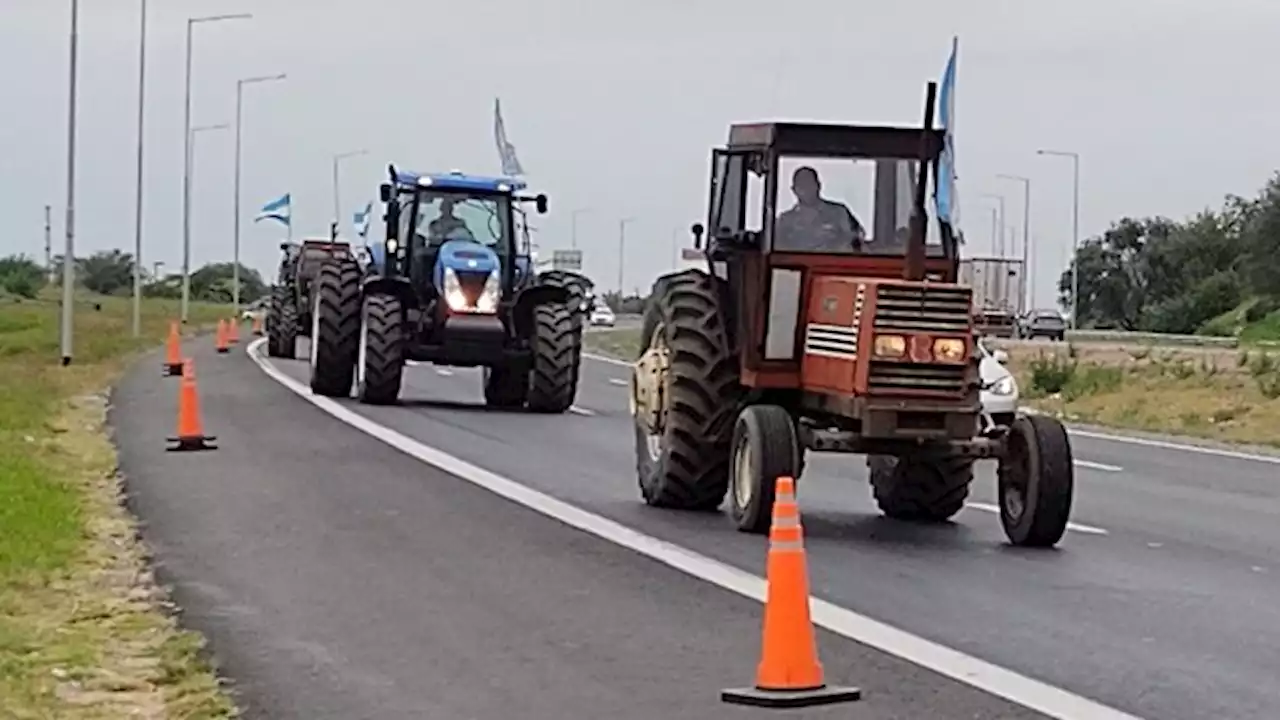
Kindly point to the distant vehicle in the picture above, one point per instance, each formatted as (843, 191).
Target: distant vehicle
(997, 285)
(601, 315)
(1043, 323)
(255, 309)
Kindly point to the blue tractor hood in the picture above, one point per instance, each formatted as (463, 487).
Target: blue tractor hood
(464, 257)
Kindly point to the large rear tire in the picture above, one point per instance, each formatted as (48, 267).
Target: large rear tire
(920, 489)
(335, 328)
(557, 343)
(685, 464)
(380, 358)
(282, 324)
(1036, 482)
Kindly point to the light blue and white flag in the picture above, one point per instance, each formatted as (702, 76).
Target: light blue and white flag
(280, 210)
(361, 220)
(506, 151)
(944, 195)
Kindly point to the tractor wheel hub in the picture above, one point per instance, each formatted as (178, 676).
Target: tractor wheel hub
(648, 388)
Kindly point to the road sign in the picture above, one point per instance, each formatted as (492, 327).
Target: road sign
(566, 259)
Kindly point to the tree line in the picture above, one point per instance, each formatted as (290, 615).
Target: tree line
(110, 272)
(1212, 273)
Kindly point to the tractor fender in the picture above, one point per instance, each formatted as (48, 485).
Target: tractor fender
(530, 298)
(397, 286)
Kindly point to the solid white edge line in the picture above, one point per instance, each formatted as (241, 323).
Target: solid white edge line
(1076, 527)
(1097, 466)
(1163, 444)
(1019, 689)
(581, 411)
(618, 382)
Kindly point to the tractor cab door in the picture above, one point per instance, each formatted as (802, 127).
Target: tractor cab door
(736, 219)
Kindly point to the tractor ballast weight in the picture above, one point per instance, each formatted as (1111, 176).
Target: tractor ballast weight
(289, 311)
(809, 331)
(447, 287)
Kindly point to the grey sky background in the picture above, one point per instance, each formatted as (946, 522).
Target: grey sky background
(615, 105)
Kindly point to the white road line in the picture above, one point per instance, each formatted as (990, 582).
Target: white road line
(1146, 442)
(580, 411)
(444, 372)
(616, 381)
(1077, 527)
(1001, 682)
(1098, 466)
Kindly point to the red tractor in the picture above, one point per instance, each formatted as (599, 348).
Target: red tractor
(820, 326)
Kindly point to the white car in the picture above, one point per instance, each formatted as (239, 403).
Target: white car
(601, 315)
(999, 388)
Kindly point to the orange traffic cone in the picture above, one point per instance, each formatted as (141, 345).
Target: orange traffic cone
(257, 324)
(190, 435)
(233, 331)
(173, 351)
(221, 337)
(789, 674)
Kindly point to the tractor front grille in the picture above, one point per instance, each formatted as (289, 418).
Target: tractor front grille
(895, 378)
(472, 284)
(940, 309)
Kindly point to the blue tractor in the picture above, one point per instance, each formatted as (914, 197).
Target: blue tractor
(450, 284)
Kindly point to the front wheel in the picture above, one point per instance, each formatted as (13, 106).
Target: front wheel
(765, 447)
(557, 340)
(1036, 482)
(380, 360)
(282, 324)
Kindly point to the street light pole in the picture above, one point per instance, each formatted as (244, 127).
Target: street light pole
(337, 205)
(195, 131)
(1027, 271)
(1075, 228)
(235, 252)
(137, 191)
(69, 252)
(622, 252)
(186, 158)
(998, 245)
(573, 226)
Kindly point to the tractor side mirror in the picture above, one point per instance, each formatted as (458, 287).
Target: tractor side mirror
(384, 192)
(540, 202)
(697, 231)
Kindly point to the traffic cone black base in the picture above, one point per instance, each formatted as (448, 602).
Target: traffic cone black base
(759, 697)
(223, 350)
(173, 370)
(192, 444)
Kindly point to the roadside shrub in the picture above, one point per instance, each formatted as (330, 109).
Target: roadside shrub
(1092, 380)
(1050, 375)
(21, 276)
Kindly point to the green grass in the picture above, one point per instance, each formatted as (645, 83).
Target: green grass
(81, 636)
(621, 344)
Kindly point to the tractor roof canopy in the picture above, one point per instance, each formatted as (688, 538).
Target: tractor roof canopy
(834, 141)
(457, 180)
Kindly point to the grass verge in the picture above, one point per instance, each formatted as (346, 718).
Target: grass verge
(84, 632)
(1222, 394)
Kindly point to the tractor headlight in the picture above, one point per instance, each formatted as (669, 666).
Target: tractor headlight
(453, 295)
(948, 349)
(392, 245)
(488, 300)
(1005, 386)
(892, 346)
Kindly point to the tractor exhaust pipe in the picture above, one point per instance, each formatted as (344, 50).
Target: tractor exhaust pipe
(914, 269)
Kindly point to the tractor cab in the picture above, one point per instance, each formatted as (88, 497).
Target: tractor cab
(453, 237)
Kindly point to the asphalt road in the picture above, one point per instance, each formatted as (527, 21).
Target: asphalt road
(339, 578)
(1160, 602)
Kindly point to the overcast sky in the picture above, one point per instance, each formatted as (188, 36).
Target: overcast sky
(614, 105)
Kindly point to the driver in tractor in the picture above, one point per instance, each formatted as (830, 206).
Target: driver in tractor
(448, 226)
(814, 223)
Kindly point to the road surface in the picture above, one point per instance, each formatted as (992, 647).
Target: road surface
(305, 542)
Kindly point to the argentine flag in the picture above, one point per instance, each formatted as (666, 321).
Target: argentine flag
(506, 151)
(280, 210)
(361, 220)
(944, 195)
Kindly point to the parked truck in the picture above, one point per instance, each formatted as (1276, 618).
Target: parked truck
(999, 291)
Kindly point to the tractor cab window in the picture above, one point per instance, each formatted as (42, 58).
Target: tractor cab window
(480, 218)
(847, 206)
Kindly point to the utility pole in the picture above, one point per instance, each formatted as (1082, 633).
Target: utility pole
(48, 243)
(337, 200)
(573, 226)
(137, 191)
(1027, 273)
(186, 158)
(622, 252)
(998, 235)
(235, 251)
(69, 252)
(1075, 228)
